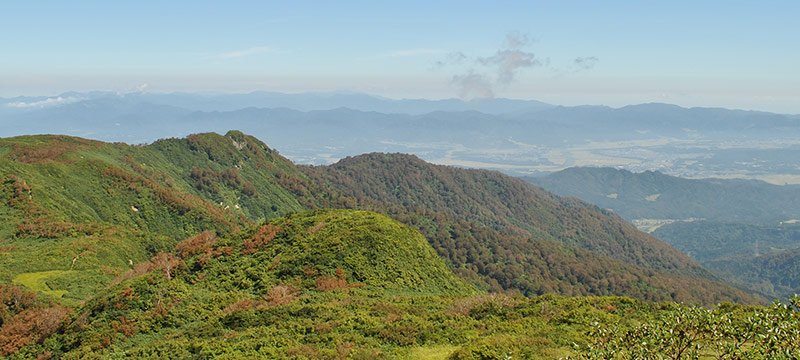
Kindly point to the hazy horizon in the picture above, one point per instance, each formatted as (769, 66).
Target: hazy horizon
(54, 99)
(732, 55)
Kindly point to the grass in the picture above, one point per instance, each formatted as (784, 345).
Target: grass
(37, 281)
(435, 352)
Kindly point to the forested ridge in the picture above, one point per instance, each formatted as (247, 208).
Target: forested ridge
(503, 203)
(743, 231)
(762, 258)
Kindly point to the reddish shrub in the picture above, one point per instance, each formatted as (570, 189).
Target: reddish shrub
(169, 263)
(281, 295)
(124, 326)
(31, 325)
(264, 235)
(14, 299)
(201, 243)
(328, 283)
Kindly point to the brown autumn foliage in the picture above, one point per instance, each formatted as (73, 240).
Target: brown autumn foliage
(264, 235)
(31, 325)
(167, 262)
(309, 271)
(329, 283)
(202, 244)
(51, 150)
(280, 294)
(46, 227)
(124, 326)
(13, 300)
(19, 187)
(180, 201)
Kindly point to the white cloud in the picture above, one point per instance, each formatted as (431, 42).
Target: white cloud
(247, 52)
(473, 86)
(44, 103)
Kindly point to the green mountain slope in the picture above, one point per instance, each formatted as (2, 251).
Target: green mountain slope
(749, 223)
(762, 258)
(78, 207)
(294, 266)
(202, 247)
(115, 206)
(503, 203)
(297, 287)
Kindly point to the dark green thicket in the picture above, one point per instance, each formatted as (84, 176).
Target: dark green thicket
(366, 248)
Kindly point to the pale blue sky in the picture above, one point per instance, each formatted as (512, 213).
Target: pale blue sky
(736, 54)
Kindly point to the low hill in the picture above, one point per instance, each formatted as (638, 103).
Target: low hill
(653, 195)
(308, 264)
(762, 258)
(364, 247)
(332, 284)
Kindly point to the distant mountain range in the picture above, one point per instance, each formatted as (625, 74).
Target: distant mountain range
(300, 102)
(514, 136)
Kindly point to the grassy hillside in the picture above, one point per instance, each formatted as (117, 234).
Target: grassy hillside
(76, 212)
(297, 287)
(210, 285)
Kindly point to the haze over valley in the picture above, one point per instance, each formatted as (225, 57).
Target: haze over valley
(514, 136)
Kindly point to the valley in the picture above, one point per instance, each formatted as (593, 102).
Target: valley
(741, 230)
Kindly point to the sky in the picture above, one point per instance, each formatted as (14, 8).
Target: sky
(733, 54)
